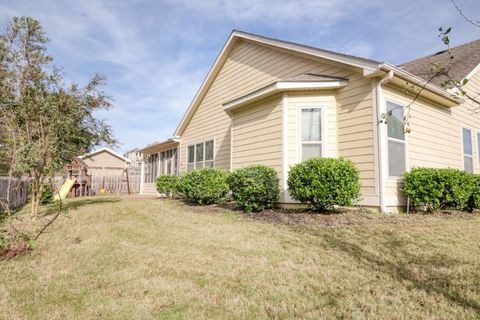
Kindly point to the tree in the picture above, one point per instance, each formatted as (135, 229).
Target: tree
(46, 121)
(4, 163)
(442, 72)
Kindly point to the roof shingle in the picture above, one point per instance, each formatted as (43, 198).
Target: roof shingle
(465, 58)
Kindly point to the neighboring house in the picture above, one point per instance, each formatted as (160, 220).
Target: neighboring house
(278, 103)
(135, 157)
(105, 162)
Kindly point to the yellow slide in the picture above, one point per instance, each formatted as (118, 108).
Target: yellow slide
(65, 189)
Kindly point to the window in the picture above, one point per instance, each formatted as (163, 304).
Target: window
(200, 155)
(467, 150)
(396, 139)
(311, 124)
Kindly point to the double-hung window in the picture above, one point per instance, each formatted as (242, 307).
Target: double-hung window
(200, 155)
(311, 124)
(396, 139)
(467, 150)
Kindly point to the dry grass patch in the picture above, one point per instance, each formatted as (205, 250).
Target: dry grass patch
(142, 259)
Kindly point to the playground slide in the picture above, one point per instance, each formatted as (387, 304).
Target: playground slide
(65, 189)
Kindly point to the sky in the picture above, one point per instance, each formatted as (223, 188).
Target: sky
(156, 54)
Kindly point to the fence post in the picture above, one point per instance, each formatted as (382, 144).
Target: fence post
(142, 177)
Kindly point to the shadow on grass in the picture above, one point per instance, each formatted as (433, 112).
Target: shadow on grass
(76, 203)
(422, 271)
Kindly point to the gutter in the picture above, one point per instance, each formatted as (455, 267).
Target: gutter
(403, 74)
(381, 138)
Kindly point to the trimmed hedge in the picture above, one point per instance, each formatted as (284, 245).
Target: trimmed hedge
(204, 186)
(442, 188)
(167, 184)
(254, 188)
(324, 182)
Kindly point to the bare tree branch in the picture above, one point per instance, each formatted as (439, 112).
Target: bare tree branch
(475, 23)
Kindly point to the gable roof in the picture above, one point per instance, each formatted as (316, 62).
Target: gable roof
(367, 65)
(370, 68)
(113, 153)
(466, 58)
(80, 161)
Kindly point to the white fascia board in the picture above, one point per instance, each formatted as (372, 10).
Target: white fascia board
(279, 87)
(400, 73)
(455, 90)
(159, 144)
(320, 53)
(475, 70)
(195, 101)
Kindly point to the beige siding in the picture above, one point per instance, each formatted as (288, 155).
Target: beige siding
(296, 101)
(104, 164)
(435, 139)
(356, 132)
(257, 135)
(249, 67)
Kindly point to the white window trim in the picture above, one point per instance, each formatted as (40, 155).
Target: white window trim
(404, 141)
(478, 147)
(299, 130)
(463, 150)
(204, 150)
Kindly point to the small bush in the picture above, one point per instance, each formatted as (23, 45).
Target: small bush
(47, 194)
(254, 187)
(440, 188)
(474, 202)
(324, 182)
(167, 185)
(204, 186)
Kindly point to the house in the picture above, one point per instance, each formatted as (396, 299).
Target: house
(105, 162)
(277, 103)
(135, 157)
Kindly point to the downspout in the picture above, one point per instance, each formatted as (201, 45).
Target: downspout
(381, 138)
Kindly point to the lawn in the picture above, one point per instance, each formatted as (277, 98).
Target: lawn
(113, 258)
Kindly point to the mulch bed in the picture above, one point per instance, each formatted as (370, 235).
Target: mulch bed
(343, 216)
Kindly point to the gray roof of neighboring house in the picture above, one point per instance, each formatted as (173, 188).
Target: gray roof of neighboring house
(465, 58)
(314, 77)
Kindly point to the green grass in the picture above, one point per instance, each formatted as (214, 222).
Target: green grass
(111, 258)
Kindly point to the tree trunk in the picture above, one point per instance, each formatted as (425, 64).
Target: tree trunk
(34, 202)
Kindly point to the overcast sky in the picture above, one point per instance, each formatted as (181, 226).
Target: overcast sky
(155, 54)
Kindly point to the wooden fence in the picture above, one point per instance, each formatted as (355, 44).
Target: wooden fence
(18, 192)
(117, 184)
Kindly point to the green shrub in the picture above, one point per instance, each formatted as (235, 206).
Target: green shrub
(167, 184)
(254, 187)
(324, 182)
(204, 186)
(47, 194)
(474, 202)
(440, 188)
